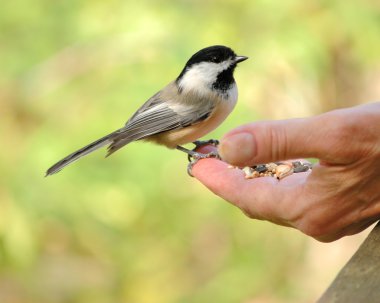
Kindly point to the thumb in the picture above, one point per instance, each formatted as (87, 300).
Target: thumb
(269, 141)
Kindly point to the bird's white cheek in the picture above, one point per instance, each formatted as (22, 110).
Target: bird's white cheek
(200, 77)
(233, 93)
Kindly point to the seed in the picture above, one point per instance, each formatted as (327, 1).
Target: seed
(300, 168)
(248, 172)
(308, 164)
(283, 170)
(254, 174)
(287, 163)
(261, 168)
(271, 166)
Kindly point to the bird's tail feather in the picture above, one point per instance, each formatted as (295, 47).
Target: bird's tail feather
(80, 153)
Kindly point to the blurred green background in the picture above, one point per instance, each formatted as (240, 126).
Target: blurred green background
(135, 227)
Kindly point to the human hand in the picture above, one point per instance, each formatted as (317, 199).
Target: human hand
(339, 197)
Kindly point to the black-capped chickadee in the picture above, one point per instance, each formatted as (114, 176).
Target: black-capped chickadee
(188, 108)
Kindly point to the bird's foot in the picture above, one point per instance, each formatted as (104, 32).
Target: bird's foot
(195, 157)
(200, 143)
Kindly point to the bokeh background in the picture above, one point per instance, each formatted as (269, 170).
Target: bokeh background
(134, 227)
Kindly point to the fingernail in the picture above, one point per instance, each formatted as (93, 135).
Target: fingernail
(237, 148)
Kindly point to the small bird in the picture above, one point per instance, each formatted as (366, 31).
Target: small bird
(188, 108)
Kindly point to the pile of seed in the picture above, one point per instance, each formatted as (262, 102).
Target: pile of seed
(279, 170)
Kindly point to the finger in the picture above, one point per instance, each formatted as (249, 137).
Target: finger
(260, 198)
(270, 141)
(347, 230)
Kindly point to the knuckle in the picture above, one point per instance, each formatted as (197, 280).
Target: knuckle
(247, 210)
(342, 130)
(340, 135)
(278, 142)
(350, 133)
(327, 238)
(314, 227)
(248, 213)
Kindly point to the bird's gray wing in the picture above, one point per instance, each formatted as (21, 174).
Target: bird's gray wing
(158, 115)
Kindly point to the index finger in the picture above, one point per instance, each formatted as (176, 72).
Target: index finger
(260, 198)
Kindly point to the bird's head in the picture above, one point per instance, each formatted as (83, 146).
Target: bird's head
(210, 68)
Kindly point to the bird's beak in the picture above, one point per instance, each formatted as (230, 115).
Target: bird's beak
(240, 59)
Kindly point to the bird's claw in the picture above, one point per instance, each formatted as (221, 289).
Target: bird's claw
(200, 143)
(193, 159)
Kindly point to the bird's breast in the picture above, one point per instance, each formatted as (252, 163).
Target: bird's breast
(193, 132)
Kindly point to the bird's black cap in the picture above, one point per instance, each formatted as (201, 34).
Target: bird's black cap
(215, 53)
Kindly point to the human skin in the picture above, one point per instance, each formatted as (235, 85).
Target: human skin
(339, 197)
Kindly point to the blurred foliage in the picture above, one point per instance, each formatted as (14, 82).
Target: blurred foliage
(135, 227)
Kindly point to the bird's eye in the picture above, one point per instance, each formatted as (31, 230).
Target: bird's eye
(214, 59)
